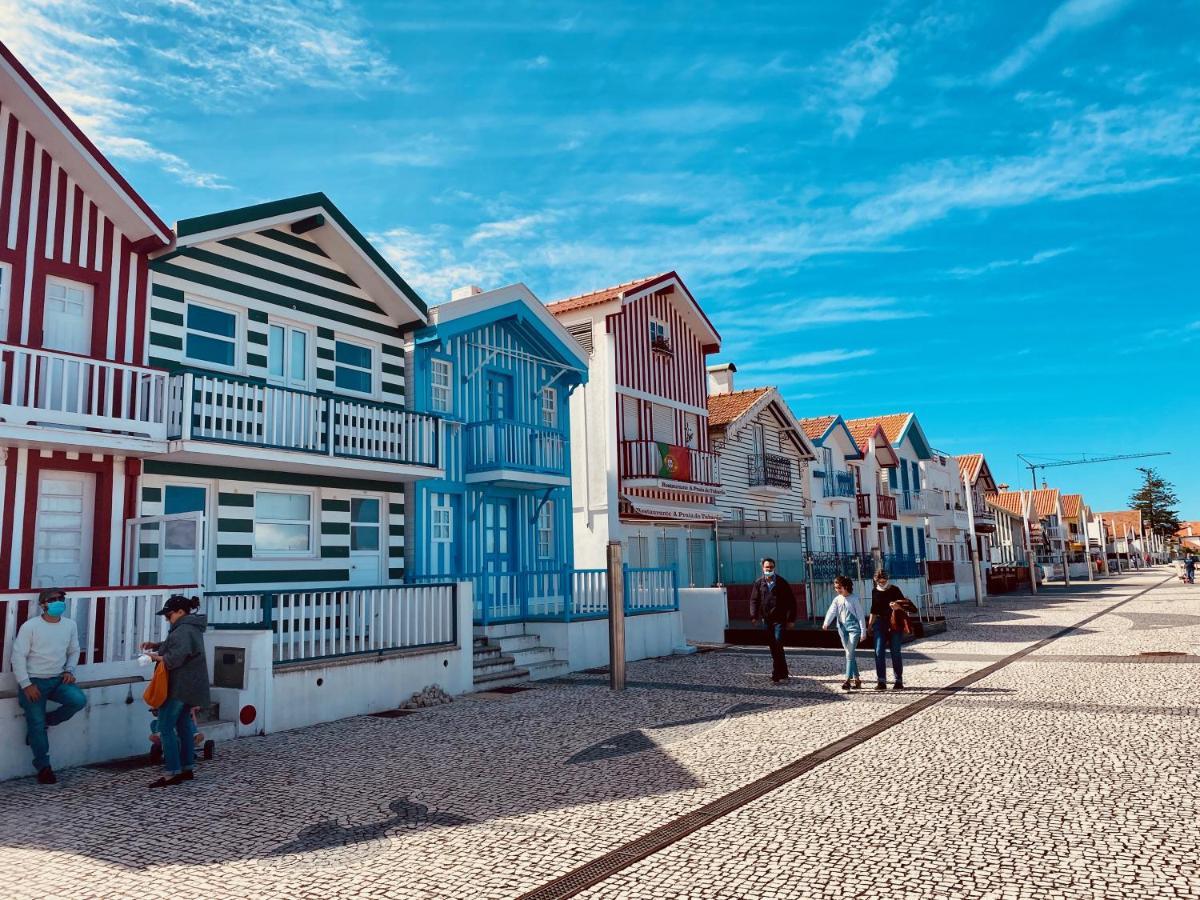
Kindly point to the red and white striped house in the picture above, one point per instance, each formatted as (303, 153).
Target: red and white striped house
(78, 410)
(642, 470)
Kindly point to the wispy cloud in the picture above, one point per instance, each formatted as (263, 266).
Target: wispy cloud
(1034, 260)
(109, 67)
(431, 263)
(1072, 16)
(856, 74)
(838, 310)
(518, 227)
(811, 359)
(537, 64)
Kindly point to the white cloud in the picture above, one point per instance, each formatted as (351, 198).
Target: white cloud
(1071, 16)
(518, 227)
(811, 359)
(430, 264)
(108, 67)
(856, 74)
(1036, 259)
(539, 62)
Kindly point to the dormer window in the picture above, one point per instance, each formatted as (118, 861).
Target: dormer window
(660, 336)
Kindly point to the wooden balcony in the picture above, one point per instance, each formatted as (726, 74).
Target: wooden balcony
(215, 418)
(52, 399)
(518, 454)
(653, 462)
(887, 507)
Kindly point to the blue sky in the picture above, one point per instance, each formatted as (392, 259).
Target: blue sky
(981, 211)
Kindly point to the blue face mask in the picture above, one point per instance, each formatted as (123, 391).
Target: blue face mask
(56, 607)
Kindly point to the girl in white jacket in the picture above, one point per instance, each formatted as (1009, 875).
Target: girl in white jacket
(847, 612)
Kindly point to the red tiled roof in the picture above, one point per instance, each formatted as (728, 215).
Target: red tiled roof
(1131, 518)
(1188, 529)
(817, 426)
(1045, 502)
(602, 296)
(726, 408)
(861, 430)
(1008, 500)
(893, 424)
(1072, 505)
(969, 465)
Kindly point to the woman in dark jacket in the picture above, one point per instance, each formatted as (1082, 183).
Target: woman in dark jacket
(187, 679)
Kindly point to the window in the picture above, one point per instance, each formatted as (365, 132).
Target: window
(698, 575)
(549, 407)
(354, 367)
(545, 531)
(639, 551)
(826, 542)
(441, 522)
(282, 523)
(738, 514)
(660, 338)
(181, 534)
(441, 372)
(663, 422)
(287, 354)
(668, 554)
(210, 335)
(364, 523)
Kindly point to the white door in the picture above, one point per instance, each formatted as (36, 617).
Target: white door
(183, 539)
(366, 544)
(62, 543)
(67, 325)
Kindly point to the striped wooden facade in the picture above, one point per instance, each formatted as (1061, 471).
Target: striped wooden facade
(270, 277)
(679, 376)
(742, 500)
(502, 344)
(52, 227)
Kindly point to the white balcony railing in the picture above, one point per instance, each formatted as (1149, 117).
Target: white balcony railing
(48, 387)
(113, 623)
(231, 410)
(1053, 532)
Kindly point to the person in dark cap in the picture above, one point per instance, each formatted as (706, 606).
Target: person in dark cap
(187, 686)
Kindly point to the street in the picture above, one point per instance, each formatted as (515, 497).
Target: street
(1072, 770)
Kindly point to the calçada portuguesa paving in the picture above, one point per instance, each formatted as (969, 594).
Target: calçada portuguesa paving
(1073, 771)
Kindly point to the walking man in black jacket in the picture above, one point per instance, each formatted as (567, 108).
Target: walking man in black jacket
(773, 603)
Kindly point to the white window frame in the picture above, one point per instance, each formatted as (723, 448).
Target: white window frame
(441, 396)
(239, 332)
(549, 407)
(377, 523)
(289, 554)
(659, 329)
(309, 353)
(545, 531)
(375, 351)
(5, 293)
(826, 540)
(436, 536)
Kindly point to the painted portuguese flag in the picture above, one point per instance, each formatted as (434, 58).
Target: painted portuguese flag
(675, 462)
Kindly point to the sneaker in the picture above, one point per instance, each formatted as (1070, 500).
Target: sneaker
(881, 686)
(46, 776)
(898, 686)
(846, 685)
(166, 781)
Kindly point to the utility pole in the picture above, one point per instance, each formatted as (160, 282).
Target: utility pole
(616, 618)
(971, 540)
(1029, 543)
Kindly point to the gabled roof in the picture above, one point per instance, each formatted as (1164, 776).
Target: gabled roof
(1130, 519)
(726, 411)
(69, 146)
(1045, 502)
(975, 468)
(1009, 501)
(819, 430)
(1072, 505)
(897, 427)
(315, 216)
(632, 290)
(861, 432)
(515, 303)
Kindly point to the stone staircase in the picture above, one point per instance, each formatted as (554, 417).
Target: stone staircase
(505, 655)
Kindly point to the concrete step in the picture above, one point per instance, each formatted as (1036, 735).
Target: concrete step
(219, 730)
(487, 651)
(501, 679)
(494, 632)
(531, 656)
(518, 642)
(551, 668)
(499, 664)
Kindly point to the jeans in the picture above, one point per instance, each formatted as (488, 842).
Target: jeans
(177, 732)
(774, 631)
(850, 636)
(70, 699)
(885, 637)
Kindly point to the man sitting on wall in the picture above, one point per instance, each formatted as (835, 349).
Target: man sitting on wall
(44, 656)
(772, 602)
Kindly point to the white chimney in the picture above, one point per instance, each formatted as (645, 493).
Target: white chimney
(720, 378)
(462, 293)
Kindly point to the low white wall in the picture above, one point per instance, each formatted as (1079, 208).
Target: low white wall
(115, 723)
(255, 695)
(583, 645)
(705, 613)
(355, 686)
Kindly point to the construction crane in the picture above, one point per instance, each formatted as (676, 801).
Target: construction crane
(1033, 467)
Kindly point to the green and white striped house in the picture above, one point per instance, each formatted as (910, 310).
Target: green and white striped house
(289, 434)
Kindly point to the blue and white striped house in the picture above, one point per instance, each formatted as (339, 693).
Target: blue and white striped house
(499, 370)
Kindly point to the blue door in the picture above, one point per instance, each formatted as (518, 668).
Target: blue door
(499, 590)
(921, 543)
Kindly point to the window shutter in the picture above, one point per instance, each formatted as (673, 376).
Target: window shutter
(664, 424)
(629, 419)
(583, 334)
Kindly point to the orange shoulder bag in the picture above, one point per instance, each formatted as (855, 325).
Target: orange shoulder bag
(155, 694)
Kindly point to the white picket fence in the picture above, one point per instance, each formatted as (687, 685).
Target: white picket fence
(113, 623)
(54, 388)
(342, 622)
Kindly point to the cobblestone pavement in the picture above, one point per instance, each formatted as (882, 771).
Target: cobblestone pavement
(1073, 772)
